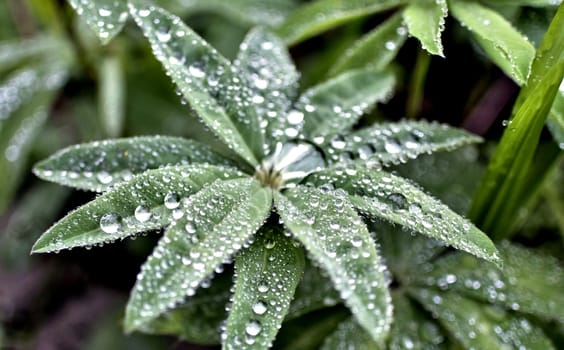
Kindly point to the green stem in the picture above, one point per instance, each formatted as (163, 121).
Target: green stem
(417, 84)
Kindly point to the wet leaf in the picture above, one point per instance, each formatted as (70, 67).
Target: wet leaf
(555, 122)
(338, 240)
(529, 282)
(510, 50)
(199, 318)
(267, 275)
(425, 20)
(385, 196)
(393, 143)
(272, 77)
(336, 104)
(539, 3)
(206, 79)
(105, 17)
(480, 326)
(14, 53)
(214, 225)
(144, 203)
(375, 49)
(99, 165)
(349, 335)
(321, 15)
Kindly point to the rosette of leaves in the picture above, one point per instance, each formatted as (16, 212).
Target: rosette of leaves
(298, 179)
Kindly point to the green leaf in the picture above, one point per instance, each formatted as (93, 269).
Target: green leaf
(378, 194)
(267, 275)
(529, 282)
(148, 201)
(272, 77)
(375, 49)
(314, 292)
(99, 165)
(27, 95)
(199, 318)
(411, 329)
(425, 20)
(480, 326)
(510, 50)
(555, 122)
(383, 144)
(111, 94)
(505, 181)
(214, 225)
(349, 335)
(105, 17)
(337, 104)
(15, 52)
(321, 15)
(207, 80)
(338, 240)
(538, 3)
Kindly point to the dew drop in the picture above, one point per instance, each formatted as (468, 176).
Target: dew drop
(295, 117)
(259, 308)
(103, 12)
(397, 200)
(196, 71)
(171, 200)
(110, 223)
(253, 328)
(142, 213)
(190, 228)
(104, 177)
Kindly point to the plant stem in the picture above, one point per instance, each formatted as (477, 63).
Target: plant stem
(417, 84)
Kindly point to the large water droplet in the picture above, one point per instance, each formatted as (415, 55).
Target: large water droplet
(171, 200)
(196, 70)
(142, 213)
(259, 308)
(253, 328)
(110, 223)
(397, 200)
(104, 177)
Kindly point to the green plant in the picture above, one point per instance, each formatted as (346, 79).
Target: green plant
(292, 156)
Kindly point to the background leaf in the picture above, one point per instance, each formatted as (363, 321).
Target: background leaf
(425, 20)
(349, 335)
(111, 94)
(105, 17)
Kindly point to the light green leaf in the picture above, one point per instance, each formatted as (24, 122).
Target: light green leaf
(337, 104)
(265, 62)
(214, 225)
(27, 95)
(510, 50)
(375, 49)
(105, 17)
(411, 329)
(555, 122)
(14, 53)
(99, 165)
(199, 318)
(321, 15)
(480, 326)
(148, 201)
(382, 195)
(538, 3)
(111, 94)
(207, 80)
(338, 240)
(383, 144)
(425, 20)
(315, 291)
(529, 282)
(267, 275)
(349, 335)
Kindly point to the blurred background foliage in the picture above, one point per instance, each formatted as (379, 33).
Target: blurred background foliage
(60, 86)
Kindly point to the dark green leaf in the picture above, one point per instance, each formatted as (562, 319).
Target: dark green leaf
(105, 17)
(148, 201)
(375, 49)
(349, 335)
(425, 20)
(338, 240)
(214, 225)
(385, 196)
(99, 165)
(267, 275)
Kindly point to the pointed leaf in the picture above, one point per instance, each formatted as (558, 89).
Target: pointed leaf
(349, 335)
(338, 240)
(214, 225)
(479, 326)
(99, 165)
(425, 20)
(27, 95)
(375, 49)
(555, 122)
(105, 17)
(318, 16)
(510, 50)
(337, 104)
(199, 318)
(267, 275)
(272, 77)
(146, 202)
(207, 80)
(529, 282)
(393, 143)
(382, 195)
(539, 3)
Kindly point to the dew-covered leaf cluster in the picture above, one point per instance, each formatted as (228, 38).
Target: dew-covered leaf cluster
(288, 220)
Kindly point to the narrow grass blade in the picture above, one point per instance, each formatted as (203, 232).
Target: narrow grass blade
(99, 165)
(267, 275)
(214, 225)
